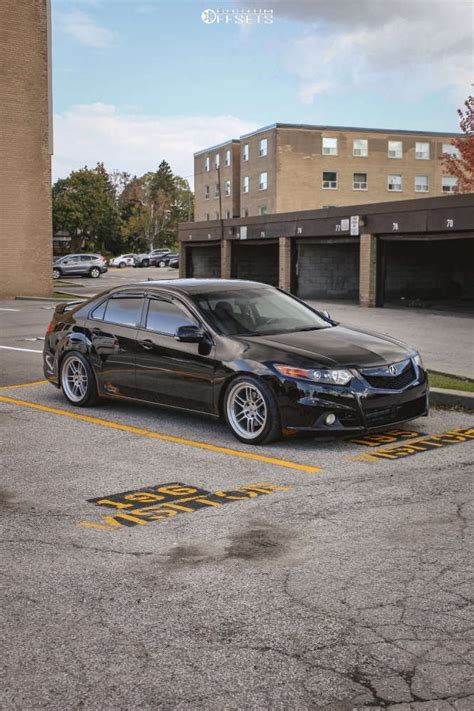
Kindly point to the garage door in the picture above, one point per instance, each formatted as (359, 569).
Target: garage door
(328, 269)
(204, 262)
(256, 261)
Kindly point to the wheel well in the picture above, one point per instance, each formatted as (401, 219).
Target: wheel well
(227, 385)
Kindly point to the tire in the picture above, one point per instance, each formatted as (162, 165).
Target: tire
(162, 263)
(122, 265)
(146, 263)
(251, 411)
(94, 272)
(56, 273)
(77, 380)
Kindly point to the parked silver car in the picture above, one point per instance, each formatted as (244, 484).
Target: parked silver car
(92, 265)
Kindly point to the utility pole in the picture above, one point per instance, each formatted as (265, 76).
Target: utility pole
(220, 200)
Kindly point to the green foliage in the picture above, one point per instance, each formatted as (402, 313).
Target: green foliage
(116, 212)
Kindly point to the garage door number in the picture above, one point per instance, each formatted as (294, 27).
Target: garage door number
(449, 222)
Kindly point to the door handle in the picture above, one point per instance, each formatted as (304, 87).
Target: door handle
(147, 344)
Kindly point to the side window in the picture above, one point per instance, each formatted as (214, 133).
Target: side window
(99, 311)
(85, 258)
(124, 311)
(166, 317)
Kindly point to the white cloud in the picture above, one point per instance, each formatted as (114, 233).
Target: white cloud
(84, 29)
(89, 133)
(407, 48)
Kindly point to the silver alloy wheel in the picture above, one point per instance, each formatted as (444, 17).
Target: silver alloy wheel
(56, 273)
(74, 379)
(95, 272)
(247, 410)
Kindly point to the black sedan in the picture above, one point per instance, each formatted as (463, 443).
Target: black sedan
(262, 360)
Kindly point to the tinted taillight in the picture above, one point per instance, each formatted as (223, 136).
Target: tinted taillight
(50, 328)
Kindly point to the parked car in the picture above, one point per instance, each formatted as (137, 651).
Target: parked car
(174, 262)
(151, 259)
(124, 260)
(92, 265)
(164, 260)
(251, 354)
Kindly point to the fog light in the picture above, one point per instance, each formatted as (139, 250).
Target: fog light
(330, 419)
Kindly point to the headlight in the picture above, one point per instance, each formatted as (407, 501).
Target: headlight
(418, 361)
(319, 375)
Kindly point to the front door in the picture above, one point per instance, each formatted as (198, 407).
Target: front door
(168, 371)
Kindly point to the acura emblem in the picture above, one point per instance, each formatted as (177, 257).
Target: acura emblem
(392, 370)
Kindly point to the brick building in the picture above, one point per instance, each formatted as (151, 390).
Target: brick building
(25, 148)
(288, 167)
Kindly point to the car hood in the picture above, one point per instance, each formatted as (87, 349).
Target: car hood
(335, 346)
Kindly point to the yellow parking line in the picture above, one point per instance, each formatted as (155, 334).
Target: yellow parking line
(23, 385)
(163, 437)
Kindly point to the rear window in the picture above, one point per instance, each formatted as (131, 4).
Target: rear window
(124, 311)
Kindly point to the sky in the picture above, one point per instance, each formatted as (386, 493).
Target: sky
(139, 81)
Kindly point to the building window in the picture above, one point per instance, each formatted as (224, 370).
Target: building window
(227, 187)
(206, 192)
(422, 151)
(217, 161)
(360, 147)
(449, 183)
(359, 181)
(227, 157)
(216, 190)
(245, 212)
(329, 181)
(262, 210)
(262, 183)
(227, 214)
(207, 217)
(329, 146)
(245, 152)
(246, 184)
(422, 184)
(216, 215)
(395, 183)
(451, 150)
(263, 147)
(395, 149)
(207, 164)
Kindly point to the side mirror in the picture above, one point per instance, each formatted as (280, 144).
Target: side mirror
(189, 334)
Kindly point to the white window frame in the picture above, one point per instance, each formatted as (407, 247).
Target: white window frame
(245, 212)
(227, 157)
(207, 164)
(420, 153)
(216, 190)
(227, 214)
(245, 151)
(208, 217)
(206, 192)
(263, 147)
(216, 215)
(450, 150)
(395, 153)
(227, 187)
(262, 210)
(360, 152)
(263, 184)
(329, 184)
(422, 187)
(395, 189)
(246, 184)
(451, 186)
(217, 161)
(360, 184)
(329, 150)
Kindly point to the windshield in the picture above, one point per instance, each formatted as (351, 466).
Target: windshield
(257, 312)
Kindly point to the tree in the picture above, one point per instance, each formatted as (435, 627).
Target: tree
(462, 165)
(84, 204)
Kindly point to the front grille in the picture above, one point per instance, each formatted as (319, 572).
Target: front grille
(385, 415)
(390, 382)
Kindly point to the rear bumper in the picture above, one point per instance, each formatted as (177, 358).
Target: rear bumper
(357, 408)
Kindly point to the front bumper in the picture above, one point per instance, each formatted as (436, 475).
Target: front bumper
(357, 407)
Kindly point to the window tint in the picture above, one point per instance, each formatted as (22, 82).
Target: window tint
(86, 258)
(124, 311)
(167, 317)
(98, 313)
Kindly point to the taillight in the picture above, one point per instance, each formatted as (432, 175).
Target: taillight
(50, 328)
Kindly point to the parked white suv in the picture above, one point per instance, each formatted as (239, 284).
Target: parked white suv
(124, 260)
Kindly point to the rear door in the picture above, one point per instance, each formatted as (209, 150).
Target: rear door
(113, 331)
(169, 371)
(71, 265)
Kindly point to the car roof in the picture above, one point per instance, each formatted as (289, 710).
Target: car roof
(192, 286)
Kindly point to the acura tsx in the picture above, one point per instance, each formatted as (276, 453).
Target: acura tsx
(253, 355)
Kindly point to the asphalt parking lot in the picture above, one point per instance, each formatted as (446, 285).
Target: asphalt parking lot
(315, 574)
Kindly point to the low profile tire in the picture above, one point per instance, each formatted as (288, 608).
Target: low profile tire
(56, 273)
(94, 273)
(122, 265)
(146, 263)
(251, 411)
(78, 381)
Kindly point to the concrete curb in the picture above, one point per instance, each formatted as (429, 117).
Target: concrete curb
(452, 398)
